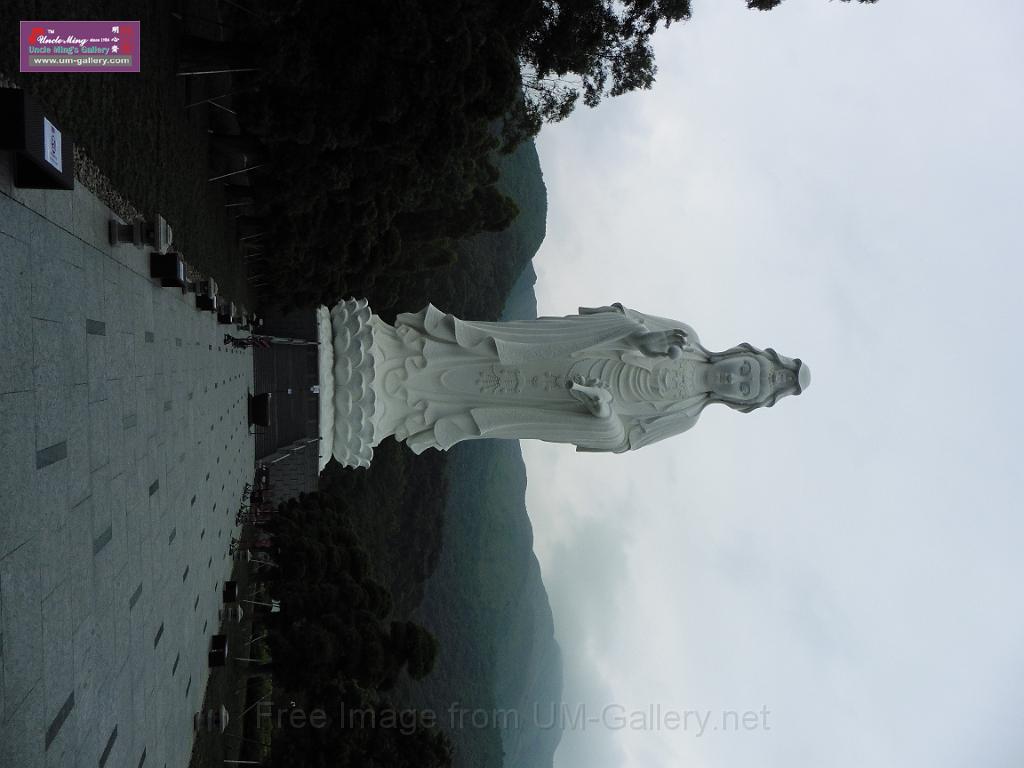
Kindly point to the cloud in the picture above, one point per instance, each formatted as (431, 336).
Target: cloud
(585, 576)
(840, 183)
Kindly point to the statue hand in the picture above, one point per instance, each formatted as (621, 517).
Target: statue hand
(593, 394)
(662, 343)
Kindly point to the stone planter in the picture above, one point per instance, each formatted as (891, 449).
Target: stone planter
(132, 233)
(206, 303)
(169, 269)
(226, 313)
(259, 410)
(218, 654)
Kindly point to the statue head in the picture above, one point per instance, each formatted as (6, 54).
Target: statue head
(746, 378)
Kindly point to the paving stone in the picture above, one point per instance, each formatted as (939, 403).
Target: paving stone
(96, 361)
(78, 463)
(51, 454)
(87, 574)
(50, 378)
(30, 198)
(118, 453)
(95, 288)
(102, 504)
(56, 283)
(22, 733)
(89, 219)
(21, 623)
(17, 220)
(58, 656)
(15, 315)
(87, 679)
(57, 207)
(76, 346)
(17, 449)
(137, 716)
(118, 520)
(121, 613)
(60, 738)
(122, 360)
(119, 716)
(50, 501)
(81, 561)
(115, 280)
(99, 434)
(112, 750)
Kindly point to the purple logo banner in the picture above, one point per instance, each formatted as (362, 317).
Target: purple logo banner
(80, 46)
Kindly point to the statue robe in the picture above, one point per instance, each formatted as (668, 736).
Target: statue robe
(440, 380)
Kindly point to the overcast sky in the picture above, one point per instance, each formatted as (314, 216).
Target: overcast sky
(844, 184)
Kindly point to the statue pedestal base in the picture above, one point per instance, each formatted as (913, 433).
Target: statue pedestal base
(347, 397)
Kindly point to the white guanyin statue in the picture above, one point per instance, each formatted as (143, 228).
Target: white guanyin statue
(608, 379)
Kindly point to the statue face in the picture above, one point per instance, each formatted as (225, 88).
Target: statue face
(735, 378)
(782, 378)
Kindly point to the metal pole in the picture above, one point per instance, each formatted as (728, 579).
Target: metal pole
(235, 173)
(267, 696)
(221, 96)
(248, 741)
(241, 8)
(183, 16)
(221, 106)
(218, 71)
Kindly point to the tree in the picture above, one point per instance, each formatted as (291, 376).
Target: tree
(595, 46)
(767, 5)
(332, 614)
(366, 739)
(414, 646)
(591, 47)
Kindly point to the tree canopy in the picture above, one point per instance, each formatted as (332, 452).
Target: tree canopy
(767, 5)
(333, 646)
(377, 127)
(332, 623)
(593, 49)
(593, 46)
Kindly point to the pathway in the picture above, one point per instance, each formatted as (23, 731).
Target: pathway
(123, 450)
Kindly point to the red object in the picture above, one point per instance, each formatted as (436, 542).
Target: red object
(35, 35)
(126, 43)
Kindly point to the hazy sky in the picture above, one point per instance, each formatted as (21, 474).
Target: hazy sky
(844, 184)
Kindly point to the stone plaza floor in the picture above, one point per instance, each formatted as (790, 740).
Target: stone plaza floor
(123, 451)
